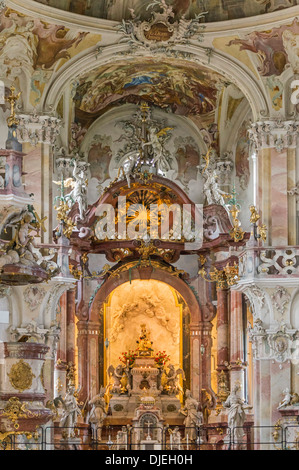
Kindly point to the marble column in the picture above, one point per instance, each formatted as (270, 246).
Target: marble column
(275, 143)
(223, 358)
(61, 356)
(71, 326)
(88, 359)
(37, 133)
(200, 353)
(236, 339)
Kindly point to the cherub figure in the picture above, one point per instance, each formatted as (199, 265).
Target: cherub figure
(22, 247)
(287, 400)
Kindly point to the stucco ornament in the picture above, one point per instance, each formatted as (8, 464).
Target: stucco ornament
(161, 31)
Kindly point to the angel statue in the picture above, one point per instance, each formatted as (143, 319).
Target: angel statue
(79, 191)
(98, 412)
(213, 193)
(78, 184)
(156, 141)
(194, 417)
(22, 248)
(287, 400)
(71, 413)
(171, 380)
(121, 377)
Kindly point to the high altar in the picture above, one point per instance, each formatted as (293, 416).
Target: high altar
(144, 382)
(149, 208)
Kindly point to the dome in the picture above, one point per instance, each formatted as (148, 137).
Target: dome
(223, 10)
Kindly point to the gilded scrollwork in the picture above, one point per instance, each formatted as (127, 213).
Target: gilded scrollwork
(21, 376)
(15, 410)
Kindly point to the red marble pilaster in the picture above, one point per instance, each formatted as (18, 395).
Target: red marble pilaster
(223, 358)
(236, 338)
(88, 359)
(222, 329)
(71, 326)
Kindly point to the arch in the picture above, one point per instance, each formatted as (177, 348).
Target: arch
(147, 273)
(217, 63)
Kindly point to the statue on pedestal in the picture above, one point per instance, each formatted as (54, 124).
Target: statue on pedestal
(144, 343)
(98, 412)
(194, 417)
(236, 413)
(71, 413)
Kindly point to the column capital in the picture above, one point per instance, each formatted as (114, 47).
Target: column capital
(278, 134)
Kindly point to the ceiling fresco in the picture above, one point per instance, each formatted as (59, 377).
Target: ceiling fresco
(217, 10)
(183, 88)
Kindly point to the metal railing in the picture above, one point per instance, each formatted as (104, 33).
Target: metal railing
(165, 438)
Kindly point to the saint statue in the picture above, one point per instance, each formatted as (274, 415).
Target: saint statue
(71, 413)
(194, 417)
(98, 412)
(236, 413)
(144, 343)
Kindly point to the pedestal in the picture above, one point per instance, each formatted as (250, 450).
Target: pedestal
(289, 427)
(22, 394)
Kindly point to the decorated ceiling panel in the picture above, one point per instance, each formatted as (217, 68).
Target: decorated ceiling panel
(216, 10)
(180, 88)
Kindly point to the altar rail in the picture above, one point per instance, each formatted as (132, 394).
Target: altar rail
(207, 438)
(268, 262)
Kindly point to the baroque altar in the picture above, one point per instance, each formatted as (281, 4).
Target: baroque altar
(144, 376)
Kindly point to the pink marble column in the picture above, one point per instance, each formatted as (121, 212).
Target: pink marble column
(236, 338)
(223, 358)
(88, 359)
(61, 357)
(279, 197)
(71, 326)
(195, 359)
(200, 353)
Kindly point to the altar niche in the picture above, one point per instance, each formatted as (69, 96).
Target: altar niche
(157, 308)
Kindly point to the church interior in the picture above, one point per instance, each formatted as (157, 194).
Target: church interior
(149, 225)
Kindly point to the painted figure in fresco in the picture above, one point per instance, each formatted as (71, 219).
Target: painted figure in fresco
(235, 9)
(80, 6)
(194, 417)
(71, 413)
(98, 412)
